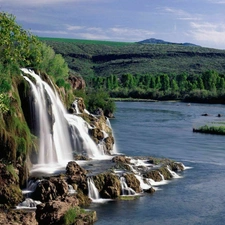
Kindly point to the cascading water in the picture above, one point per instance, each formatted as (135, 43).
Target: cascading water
(174, 174)
(59, 133)
(81, 140)
(92, 190)
(54, 142)
(125, 189)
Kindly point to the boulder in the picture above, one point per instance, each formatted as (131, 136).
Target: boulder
(53, 211)
(121, 158)
(176, 166)
(77, 82)
(154, 175)
(51, 189)
(108, 185)
(18, 217)
(76, 176)
(133, 182)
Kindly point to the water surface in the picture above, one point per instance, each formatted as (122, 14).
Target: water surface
(164, 129)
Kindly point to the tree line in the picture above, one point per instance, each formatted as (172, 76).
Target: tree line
(164, 86)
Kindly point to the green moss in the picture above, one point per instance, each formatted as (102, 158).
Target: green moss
(71, 215)
(12, 171)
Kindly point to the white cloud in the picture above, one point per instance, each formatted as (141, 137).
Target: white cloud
(72, 28)
(44, 2)
(209, 33)
(182, 15)
(113, 33)
(49, 32)
(217, 1)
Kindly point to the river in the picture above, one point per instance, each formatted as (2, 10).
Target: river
(164, 129)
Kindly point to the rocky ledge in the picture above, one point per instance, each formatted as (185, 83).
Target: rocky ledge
(59, 199)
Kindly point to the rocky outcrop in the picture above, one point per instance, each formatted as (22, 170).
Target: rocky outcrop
(133, 182)
(18, 217)
(76, 176)
(10, 192)
(77, 82)
(108, 185)
(53, 212)
(51, 189)
(64, 211)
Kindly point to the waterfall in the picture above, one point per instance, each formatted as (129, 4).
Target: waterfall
(74, 104)
(92, 190)
(54, 140)
(115, 151)
(81, 140)
(60, 134)
(125, 189)
(175, 175)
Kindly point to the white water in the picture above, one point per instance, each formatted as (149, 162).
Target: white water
(125, 189)
(174, 174)
(93, 193)
(54, 142)
(60, 134)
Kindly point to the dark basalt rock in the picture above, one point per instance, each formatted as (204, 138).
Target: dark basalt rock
(51, 189)
(76, 176)
(132, 182)
(108, 185)
(53, 212)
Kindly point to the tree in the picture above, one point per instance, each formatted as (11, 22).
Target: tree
(127, 80)
(17, 46)
(210, 79)
(165, 82)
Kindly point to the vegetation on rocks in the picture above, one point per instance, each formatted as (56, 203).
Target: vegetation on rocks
(207, 129)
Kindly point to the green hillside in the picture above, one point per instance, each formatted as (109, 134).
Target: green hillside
(103, 58)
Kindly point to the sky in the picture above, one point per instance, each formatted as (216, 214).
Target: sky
(200, 22)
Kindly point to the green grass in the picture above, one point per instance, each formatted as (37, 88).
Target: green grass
(210, 129)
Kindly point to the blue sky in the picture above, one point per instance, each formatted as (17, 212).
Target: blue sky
(200, 22)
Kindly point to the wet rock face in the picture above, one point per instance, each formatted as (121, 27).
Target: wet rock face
(10, 193)
(154, 175)
(133, 182)
(50, 189)
(176, 166)
(108, 185)
(76, 176)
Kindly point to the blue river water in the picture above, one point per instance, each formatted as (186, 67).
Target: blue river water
(164, 129)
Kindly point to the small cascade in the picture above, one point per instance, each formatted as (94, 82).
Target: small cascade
(93, 193)
(161, 175)
(29, 204)
(143, 185)
(74, 104)
(114, 151)
(31, 186)
(81, 140)
(175, 175)
(125, 189)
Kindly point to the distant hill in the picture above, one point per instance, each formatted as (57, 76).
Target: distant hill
(99, 58)
(159, 41)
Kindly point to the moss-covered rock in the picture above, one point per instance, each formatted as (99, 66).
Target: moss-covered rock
(10, 192)
(108, 185)
(133, 182)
